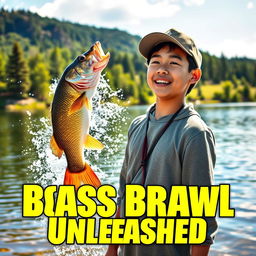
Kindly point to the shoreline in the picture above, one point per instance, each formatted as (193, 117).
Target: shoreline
(32, 104)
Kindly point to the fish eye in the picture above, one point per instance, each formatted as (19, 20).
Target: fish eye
(81, 58)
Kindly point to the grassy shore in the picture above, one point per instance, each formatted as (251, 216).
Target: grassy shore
(208, 92)
(30, 104)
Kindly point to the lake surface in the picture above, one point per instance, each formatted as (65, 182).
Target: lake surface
(25, 155)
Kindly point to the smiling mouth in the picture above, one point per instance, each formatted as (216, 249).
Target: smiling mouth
(162, 83)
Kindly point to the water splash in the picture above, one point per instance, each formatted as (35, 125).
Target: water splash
(106, 124)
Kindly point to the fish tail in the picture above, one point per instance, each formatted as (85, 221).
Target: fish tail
(86, 176)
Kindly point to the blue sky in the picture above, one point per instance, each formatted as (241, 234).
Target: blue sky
(217, 26)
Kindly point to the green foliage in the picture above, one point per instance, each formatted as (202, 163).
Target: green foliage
(199, 92)
(217, 96)
(17, 72)
(211, 68)
(128, 87)
(246, 93)
(2, 67)
(227, 87)
(57, 63)
(236, 97)
(117, 70)
(40, 78)
(7, 40)
(145, 94)
(224, 69)
(50, 45)
(234, 81)
(66, 56)
(128, 65)
(109, 78)
(244, 82)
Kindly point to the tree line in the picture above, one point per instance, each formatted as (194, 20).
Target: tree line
(31, 29)
(30, 73)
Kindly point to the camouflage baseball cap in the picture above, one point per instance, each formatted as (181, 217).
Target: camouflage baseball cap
(172, 35)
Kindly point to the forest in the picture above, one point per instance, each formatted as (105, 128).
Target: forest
(34, 52)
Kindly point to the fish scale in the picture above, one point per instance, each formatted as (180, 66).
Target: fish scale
(70, 130)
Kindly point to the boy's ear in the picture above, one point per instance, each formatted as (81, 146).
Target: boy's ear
(196, 75)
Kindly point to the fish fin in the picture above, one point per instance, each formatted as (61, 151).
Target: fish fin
(88, 104)
(56, 150)
(86, 176)
(77, 104)
(92, 143)
(81, 101)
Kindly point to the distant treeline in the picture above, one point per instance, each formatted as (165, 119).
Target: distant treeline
(36, 50)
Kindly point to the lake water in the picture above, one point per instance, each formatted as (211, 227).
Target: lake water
(23, 137)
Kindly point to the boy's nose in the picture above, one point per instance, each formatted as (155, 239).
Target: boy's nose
(162, 70)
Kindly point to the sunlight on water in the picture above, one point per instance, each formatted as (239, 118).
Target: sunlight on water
(234, 129)
(106, 123)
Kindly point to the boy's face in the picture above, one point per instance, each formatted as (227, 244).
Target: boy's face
(168, 75)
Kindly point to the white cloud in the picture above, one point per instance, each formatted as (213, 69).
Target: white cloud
(193, 2)
(109, 13)
(3, 4)
(234, 47)
(12, 5)
(133, 15)
(250, 5)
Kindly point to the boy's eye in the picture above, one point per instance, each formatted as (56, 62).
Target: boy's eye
(155, 62)
(174, 63)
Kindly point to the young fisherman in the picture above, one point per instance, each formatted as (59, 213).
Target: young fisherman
(171, 144)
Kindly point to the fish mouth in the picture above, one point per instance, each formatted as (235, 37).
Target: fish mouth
(100, 56)
(86, 73)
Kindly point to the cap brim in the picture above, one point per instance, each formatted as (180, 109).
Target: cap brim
(151, 40)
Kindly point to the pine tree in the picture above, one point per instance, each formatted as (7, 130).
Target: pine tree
(109, 78)
(227, 88)
(199, 92)
(56, 63)
(234, 81)
(2, 67)
(66, 55)
(214, 72)
(205, 67)
(254, 82)
(117, 72)
(128, 66)
(17, 71)
(210, 68)
(223, 68)
(246, 93)
(40, 78)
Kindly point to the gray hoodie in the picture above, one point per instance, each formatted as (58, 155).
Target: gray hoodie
(184, 155)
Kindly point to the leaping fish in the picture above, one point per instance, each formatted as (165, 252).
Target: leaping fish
(70, 114)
